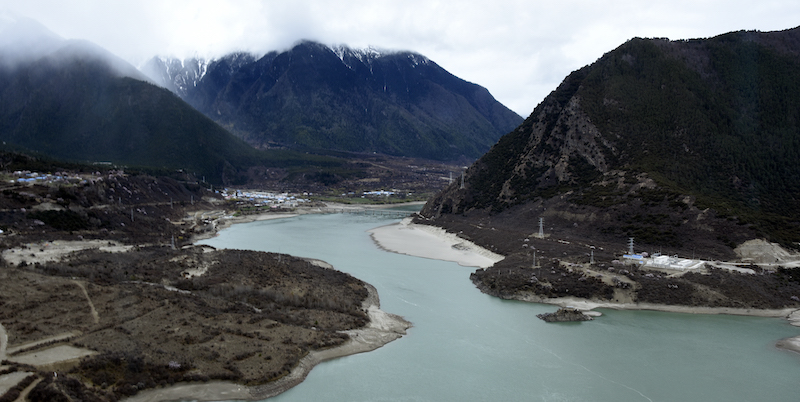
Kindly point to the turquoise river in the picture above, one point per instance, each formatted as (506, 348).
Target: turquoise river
(467, 346)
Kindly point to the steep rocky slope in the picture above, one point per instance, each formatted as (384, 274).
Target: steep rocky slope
(686, 145)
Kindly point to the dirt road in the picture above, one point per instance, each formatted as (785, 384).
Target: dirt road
(3, 342)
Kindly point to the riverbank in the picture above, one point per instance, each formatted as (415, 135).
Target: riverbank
(791, 344)
(432, 242)
(220, 220)
(382, 329)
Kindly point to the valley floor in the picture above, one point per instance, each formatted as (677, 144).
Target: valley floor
(404, 237)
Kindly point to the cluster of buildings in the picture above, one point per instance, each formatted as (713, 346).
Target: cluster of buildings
(378, 193)
(663, 262)
(284, 200)
(28, 177)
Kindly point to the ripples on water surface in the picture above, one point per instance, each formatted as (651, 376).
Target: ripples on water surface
(467, 346)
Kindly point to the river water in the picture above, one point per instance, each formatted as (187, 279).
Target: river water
(467, 346)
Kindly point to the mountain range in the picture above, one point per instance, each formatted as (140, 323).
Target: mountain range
(73, 100)
(313, 96)
(690, 144)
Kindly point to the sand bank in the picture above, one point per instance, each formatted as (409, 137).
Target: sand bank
(432, 242)
(793, 343)
(382, 329)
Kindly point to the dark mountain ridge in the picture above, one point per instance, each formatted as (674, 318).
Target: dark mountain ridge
(78, 108)
(682, 144)
(74, 101)
(317, 97)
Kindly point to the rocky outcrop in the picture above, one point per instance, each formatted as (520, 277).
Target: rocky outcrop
(564, 315)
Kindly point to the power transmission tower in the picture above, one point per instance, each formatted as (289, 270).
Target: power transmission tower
(630, 246)
(541, 228)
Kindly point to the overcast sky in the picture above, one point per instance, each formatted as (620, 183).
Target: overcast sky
(519, 50)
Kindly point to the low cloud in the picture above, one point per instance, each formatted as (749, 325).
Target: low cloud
(519, 50)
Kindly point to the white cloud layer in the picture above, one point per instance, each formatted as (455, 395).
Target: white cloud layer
(519, 50)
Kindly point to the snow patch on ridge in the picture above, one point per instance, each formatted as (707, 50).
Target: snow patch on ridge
(368, 55)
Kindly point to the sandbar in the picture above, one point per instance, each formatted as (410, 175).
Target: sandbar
(431, 242)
